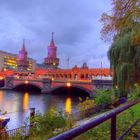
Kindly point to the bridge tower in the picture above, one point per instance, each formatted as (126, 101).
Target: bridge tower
(51, 61)
(22, 61)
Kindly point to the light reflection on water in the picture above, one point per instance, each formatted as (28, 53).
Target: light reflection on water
(68, 105)
(17, 104)
(25, 100)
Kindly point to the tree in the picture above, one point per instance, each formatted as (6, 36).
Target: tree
(123, 27)
(125, 13)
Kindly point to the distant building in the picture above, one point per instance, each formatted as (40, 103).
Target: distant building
(40, 66)
(51, 61)
(84, 66)
(22, 62)
(10, 61)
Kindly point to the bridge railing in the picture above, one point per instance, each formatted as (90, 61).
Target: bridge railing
(68, 135)
(71, 80)
(10, 134)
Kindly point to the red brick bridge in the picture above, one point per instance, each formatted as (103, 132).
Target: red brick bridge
(75, 73)
(84, 79)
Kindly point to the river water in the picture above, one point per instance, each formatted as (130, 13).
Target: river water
(17, 104)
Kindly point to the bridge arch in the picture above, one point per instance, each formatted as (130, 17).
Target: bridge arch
(29, 87)
(73, 88)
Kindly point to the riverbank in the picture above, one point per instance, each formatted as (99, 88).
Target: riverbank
(102, 132)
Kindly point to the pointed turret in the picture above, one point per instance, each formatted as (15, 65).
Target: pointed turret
(22, 59)
(52, 48)
(51, 61)
(52, 42)
(23, 46)
(23, 53)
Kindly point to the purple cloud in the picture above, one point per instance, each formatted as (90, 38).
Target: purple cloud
(75, 25)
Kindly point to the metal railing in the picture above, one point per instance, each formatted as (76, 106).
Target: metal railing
(10, 134)
(68, 135)
(23, 131)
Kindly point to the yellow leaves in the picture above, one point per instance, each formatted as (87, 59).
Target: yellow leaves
(135, 131)
(87, 104)
(124, 14)
(85, 107)
(136, 39)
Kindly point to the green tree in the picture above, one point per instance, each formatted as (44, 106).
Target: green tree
(123, 26)
(103, 98)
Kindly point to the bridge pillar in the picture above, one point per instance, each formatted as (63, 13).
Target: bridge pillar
(8, 83)
(46, 85)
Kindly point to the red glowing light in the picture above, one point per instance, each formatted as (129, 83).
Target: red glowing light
(26, 82)
(68, 84)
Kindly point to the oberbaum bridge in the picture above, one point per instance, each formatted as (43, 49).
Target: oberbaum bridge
(51, 78)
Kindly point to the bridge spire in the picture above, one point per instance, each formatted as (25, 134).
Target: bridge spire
(23, 46)
(51, 61)
(22, 62)
(52, 44)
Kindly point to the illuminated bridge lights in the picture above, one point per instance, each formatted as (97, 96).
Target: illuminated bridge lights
(26, 82)
(68, 84)
(1, 78)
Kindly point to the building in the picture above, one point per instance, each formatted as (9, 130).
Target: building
(51, 61)
(84, 66)
(8, 61)
(40, 66)
(22, 62)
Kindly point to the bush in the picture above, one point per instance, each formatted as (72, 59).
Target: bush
(86, 107)
(45, 126)
(48, 124)
(116, 92)
(103, 98)
(135, 94)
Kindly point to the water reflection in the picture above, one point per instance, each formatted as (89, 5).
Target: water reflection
(25, 100)
(1, 97)
(17, 104)
(68, 105)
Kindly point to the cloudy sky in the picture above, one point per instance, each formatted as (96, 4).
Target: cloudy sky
(75, 24)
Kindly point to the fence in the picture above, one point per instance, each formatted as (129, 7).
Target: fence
(68, 135)
(10, 134)
(24, 130)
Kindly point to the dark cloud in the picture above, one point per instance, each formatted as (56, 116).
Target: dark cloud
(75, 25)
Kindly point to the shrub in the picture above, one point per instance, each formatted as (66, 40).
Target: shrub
(45, 126)
(103, 98)
(135, 94)
(86, 107)
(48, 124)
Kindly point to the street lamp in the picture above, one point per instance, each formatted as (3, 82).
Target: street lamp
(68, 84)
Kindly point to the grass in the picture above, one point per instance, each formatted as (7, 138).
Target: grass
(124, 120)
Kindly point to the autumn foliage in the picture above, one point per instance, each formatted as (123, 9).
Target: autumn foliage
(125, 13)
(122, 26)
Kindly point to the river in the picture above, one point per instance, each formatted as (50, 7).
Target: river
(17, 104)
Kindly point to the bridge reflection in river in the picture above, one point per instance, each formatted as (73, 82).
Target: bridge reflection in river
(17, 103)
